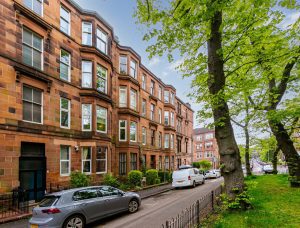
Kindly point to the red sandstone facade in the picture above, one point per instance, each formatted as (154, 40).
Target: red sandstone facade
(206, 147)
(72, 98)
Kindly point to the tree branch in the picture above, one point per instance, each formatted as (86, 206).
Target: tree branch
(237, 123)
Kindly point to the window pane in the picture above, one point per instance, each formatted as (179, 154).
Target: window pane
(86, 39)
(64, 167)
(65, 57)
(64, 153)
(27, 111)
(64, 72)
(27, 37)
(86, 153)
(37, 96)
(64, 26)
(37, 7)
(101, 153)
(64, 119)
(122, 134)
(37, 59)
(64, 103)
(132, 131)
(27, 55)
(27, 93)
(87, 80)
(37, 42)
(37, 113)
(64, 13)
(86, 166)
(101, 166)
(101, 119)
(122, 123)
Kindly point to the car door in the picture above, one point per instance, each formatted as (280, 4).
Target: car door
(114, 200)
(91, 203)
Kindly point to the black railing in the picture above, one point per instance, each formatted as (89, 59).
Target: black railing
(192, 216)
(13, 204)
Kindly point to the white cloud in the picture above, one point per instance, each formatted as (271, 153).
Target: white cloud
(154, 61)
(175, 64)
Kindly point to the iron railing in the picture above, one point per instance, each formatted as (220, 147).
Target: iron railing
(13, 204)
(191, 216)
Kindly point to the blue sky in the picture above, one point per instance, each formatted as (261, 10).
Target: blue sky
(119, 14)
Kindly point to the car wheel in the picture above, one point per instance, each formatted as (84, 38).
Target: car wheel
(133, 206)
(75, 221)
(194, 184)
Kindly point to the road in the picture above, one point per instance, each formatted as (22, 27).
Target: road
(154, 210)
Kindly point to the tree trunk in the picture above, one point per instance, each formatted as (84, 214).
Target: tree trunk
(289, 151)
(229, 152)
(275, 160)
(247, 155)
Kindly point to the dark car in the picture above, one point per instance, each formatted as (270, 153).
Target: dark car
(80, 206)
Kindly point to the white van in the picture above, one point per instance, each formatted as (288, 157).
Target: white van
(187, 177)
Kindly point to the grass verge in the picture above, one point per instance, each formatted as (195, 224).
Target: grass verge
(275, 205)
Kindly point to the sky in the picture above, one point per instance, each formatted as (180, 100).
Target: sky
(119, 14)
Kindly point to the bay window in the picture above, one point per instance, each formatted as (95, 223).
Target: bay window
(101, 40)
(133, 99)
(133, 132)
(86, 160)
(101, 119)
(123, 64)
(122, 130)
(123, 96)
(101, 159)
(87, 33)
(133, 71)
(101, 79)
(86, 117)
(87, 75)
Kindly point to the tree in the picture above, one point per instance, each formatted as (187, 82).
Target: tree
(215, 39)
(205, 164)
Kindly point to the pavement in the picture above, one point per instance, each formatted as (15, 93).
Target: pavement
(155, 209)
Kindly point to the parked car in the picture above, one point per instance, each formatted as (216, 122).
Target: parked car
(267, 169)
(80, 206)
(187, 177)
(212, 174)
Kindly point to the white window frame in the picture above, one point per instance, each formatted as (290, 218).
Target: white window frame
(102, 160)
(87, 23)
(91, 115)
(86, 160)
(144, 79)
(100, 39)
(68, 20)
(168, 118)
(166, 96)
(133, 105)
(126, 68)
(159, 92)
(172, 119)
(134, 69)
(123, 90)
(69, 161)
(159, 139)
(167, 141)
(42, 106)
(101, 69)
(160, 115)
(144, 108)
(65, 110)
(152, 111)
(98, 109)
(123, 128)
(82, 74)
(144, 136)
(66, 64)
(33, 34)
(31, 7)
(172, 96)
(135, 140)
(171, 141)
(152, 87)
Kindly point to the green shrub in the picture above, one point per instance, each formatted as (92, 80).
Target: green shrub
(157, 181)
(78, 179)
(165, 176)
(111, 180)
(151, 176)
(135, 177)
(205, 164)
(196, 165)
(124, 187)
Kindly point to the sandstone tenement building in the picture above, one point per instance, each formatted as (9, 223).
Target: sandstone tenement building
(72, 98)
(206, 147)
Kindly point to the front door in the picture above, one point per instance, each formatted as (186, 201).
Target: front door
(32, 170)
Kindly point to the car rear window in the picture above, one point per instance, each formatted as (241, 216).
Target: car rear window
(48, 201)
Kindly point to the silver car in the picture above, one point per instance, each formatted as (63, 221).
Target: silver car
(77, 207)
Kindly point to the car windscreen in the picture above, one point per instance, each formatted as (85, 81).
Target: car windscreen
(48, 201)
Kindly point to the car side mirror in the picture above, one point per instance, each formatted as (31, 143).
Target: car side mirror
(120, 193)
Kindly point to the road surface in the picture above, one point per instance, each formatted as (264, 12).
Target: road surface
(154, 210)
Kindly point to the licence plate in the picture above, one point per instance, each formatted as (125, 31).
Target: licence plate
(34, 226)
(180, 181)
